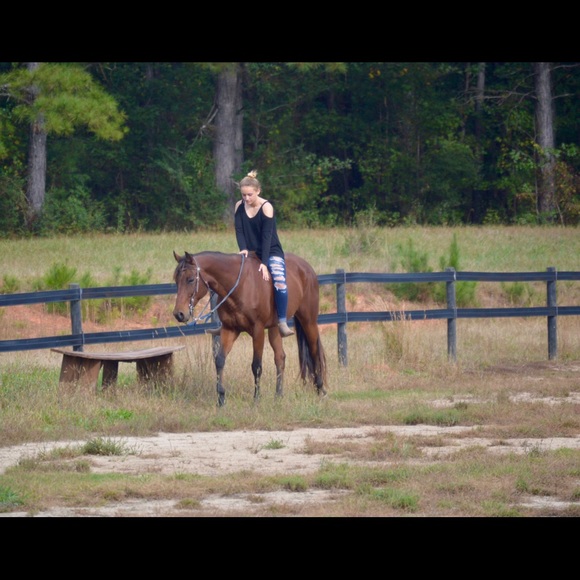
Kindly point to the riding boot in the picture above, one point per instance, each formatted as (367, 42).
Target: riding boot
(285, 329)
(214, 331)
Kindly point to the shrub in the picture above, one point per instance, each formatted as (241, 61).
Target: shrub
(413, 261)
(71, 212)
(464, 291)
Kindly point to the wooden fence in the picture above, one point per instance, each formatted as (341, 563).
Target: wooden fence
(78, 339)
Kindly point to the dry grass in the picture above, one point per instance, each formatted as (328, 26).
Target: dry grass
(398, 374)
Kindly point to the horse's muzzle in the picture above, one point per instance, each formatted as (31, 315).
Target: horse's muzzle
(180, 316)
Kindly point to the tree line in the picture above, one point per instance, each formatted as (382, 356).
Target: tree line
(159, 146)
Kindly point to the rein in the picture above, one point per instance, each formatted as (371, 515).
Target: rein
(202, 316)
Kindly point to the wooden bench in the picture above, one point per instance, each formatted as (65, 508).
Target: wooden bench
(153, 364)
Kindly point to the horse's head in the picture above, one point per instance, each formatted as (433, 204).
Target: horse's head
(190, 286)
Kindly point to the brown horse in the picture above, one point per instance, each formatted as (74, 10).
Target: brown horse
(246, 304)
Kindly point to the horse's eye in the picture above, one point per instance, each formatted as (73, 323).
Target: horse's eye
(190, 280)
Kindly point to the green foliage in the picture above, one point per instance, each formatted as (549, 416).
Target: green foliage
(294, 483)
(12, 203)
(137, 304)
(113, 415)
(87, 280)
(451, 168)
(58, 277)
(493, 217)
(65, 97)
(221, 422)
(135, 278)
(496, 509)
(464, 291)
(297, 184)
(396, 498)
(372, 217)
(68, 97)
(89, 307)
(104, 446)
(9, 499)
(71, 212)
(161, 178)
(10, 284)
(274, 444)
(195, 201)
(412, 260)
(444, 417)
(332, 141)
(567, 179)
(334, 476)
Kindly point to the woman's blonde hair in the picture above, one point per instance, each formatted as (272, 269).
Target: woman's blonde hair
(250, 180)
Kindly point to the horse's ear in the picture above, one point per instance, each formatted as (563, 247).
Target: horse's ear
(176, 256)
(188, 257)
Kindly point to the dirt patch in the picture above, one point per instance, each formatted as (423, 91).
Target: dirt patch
(33, 320)
(264, 452)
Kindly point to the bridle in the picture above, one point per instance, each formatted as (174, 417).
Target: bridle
(198, 277)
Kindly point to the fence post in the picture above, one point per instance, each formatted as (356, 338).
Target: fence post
(76, 317)
(341, 327)
(552, 302)
(451, 322)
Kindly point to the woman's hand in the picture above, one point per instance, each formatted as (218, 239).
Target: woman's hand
(265, 274)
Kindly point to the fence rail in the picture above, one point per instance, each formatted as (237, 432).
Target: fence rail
(77, 339)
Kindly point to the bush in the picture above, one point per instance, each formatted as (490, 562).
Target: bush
(71, 212)
(12, 206)
(58, 277)
(464, 291)
(413, 261)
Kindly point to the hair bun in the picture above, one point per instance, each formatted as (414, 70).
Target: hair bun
(253, 173)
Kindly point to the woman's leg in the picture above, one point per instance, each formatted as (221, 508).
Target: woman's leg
(277, 267)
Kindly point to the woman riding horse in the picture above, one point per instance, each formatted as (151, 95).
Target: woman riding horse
(256, 231)
(246, 304)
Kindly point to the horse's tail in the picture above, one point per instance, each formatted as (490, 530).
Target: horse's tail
(313, 368)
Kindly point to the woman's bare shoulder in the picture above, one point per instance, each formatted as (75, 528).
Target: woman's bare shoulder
(268, 208)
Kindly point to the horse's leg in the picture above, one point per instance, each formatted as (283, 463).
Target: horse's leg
(227, 340)
(258, 343)
(275, 339)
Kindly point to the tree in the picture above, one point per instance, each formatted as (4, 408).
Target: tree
(36, 181)
(545, 139)
(55, 98)
(228, 145)
(228, 139)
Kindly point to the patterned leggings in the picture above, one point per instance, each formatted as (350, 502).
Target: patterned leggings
(277, 267)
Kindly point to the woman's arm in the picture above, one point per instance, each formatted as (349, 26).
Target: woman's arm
(267, 230)
(240, 238)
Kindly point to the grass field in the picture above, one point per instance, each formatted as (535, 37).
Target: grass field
(397, 375)
(491, 249)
